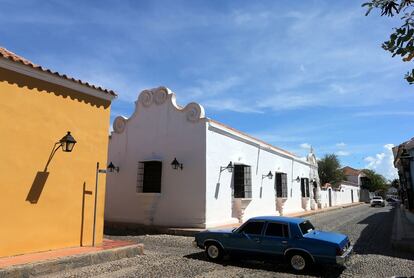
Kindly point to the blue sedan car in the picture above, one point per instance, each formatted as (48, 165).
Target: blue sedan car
(293, 239)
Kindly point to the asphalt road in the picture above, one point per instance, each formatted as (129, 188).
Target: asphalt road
(173, 256)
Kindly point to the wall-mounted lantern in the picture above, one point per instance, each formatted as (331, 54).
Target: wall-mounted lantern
(269, 175)
(298, 179)
(66, 143)
(111, 168)
(229, 167)
(175, 164)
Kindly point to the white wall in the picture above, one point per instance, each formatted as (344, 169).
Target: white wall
(225, 145)
(158, 130)
(341, 197)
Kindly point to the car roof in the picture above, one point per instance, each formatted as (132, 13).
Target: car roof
(295, 220)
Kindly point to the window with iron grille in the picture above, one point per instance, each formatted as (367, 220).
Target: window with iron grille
(304, 187)
(242, 181)
(281, 185)
(149, 177)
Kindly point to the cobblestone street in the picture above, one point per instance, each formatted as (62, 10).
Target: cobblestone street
(173, 256)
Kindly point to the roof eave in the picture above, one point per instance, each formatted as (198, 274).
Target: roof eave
(52, 78)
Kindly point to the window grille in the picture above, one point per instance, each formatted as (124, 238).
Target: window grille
(281, 185)
(149, 177)
(242, 181)
(304, 187)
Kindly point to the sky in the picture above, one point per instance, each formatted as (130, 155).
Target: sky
(293, 73)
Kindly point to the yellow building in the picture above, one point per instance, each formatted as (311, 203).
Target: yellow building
(43, 205)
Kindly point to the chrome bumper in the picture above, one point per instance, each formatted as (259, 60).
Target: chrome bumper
(345, 256)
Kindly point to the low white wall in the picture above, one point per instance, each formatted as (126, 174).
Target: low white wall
(346, 195)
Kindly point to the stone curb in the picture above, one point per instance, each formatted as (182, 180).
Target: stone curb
(305, 214)
(71, 262)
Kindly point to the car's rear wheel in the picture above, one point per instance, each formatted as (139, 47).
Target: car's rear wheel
(299, 261)
(214, 252)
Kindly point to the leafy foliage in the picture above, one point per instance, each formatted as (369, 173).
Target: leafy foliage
(329, 169)
(395, 183)
(401, 42)
(376, 182)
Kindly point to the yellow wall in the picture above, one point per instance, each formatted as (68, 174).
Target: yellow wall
(33, 116)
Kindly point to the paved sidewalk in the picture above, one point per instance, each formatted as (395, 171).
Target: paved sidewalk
(403, 230)
(192, 231)
(47, 262)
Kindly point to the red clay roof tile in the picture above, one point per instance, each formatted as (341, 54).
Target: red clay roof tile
(18, 59)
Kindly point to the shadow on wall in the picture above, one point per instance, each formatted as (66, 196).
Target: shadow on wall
(45, 87)
(84, 193)
(37, 187)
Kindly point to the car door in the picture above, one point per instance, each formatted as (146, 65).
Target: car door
(275, 239)
(246, 240)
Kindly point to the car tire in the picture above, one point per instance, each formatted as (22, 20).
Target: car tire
(214, 252)
(299, 261)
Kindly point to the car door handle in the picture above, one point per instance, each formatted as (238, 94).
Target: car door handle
(284, 242)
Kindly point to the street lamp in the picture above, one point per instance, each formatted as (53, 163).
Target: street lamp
(229, 167)
(66, 143)
(111, 168)
(175, 164)
(269, 175)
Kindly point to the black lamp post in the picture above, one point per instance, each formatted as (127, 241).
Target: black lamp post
(229, 167)
(269, 175)
(111, 168)
(176, 165)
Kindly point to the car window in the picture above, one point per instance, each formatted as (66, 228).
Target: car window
(253, 228)
(277, 229)
(380, 198)
(306, 227)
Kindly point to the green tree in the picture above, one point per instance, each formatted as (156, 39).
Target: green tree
(377, 182)
(329, 169)
(401, 42)
(395, 183)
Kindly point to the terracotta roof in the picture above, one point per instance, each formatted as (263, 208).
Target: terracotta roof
(349, 171)
(18, 59)
(251, 137)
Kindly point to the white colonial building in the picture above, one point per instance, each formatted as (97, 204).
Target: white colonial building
(178, 168)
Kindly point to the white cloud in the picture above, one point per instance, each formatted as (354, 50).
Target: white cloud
(384, 113)
(341, 145)
(342, 153)
(383, 162)
(305, 146)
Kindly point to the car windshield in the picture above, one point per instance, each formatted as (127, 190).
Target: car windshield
(378, 198)
(306, 227)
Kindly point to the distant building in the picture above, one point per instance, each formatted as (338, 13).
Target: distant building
(404, 162)
(349, 190)
(181, 169)
(46, 200)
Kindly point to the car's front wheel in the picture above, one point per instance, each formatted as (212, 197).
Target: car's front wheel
(299, 261)
(214, 252)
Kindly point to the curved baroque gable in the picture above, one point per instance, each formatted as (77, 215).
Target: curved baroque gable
(158, 96)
